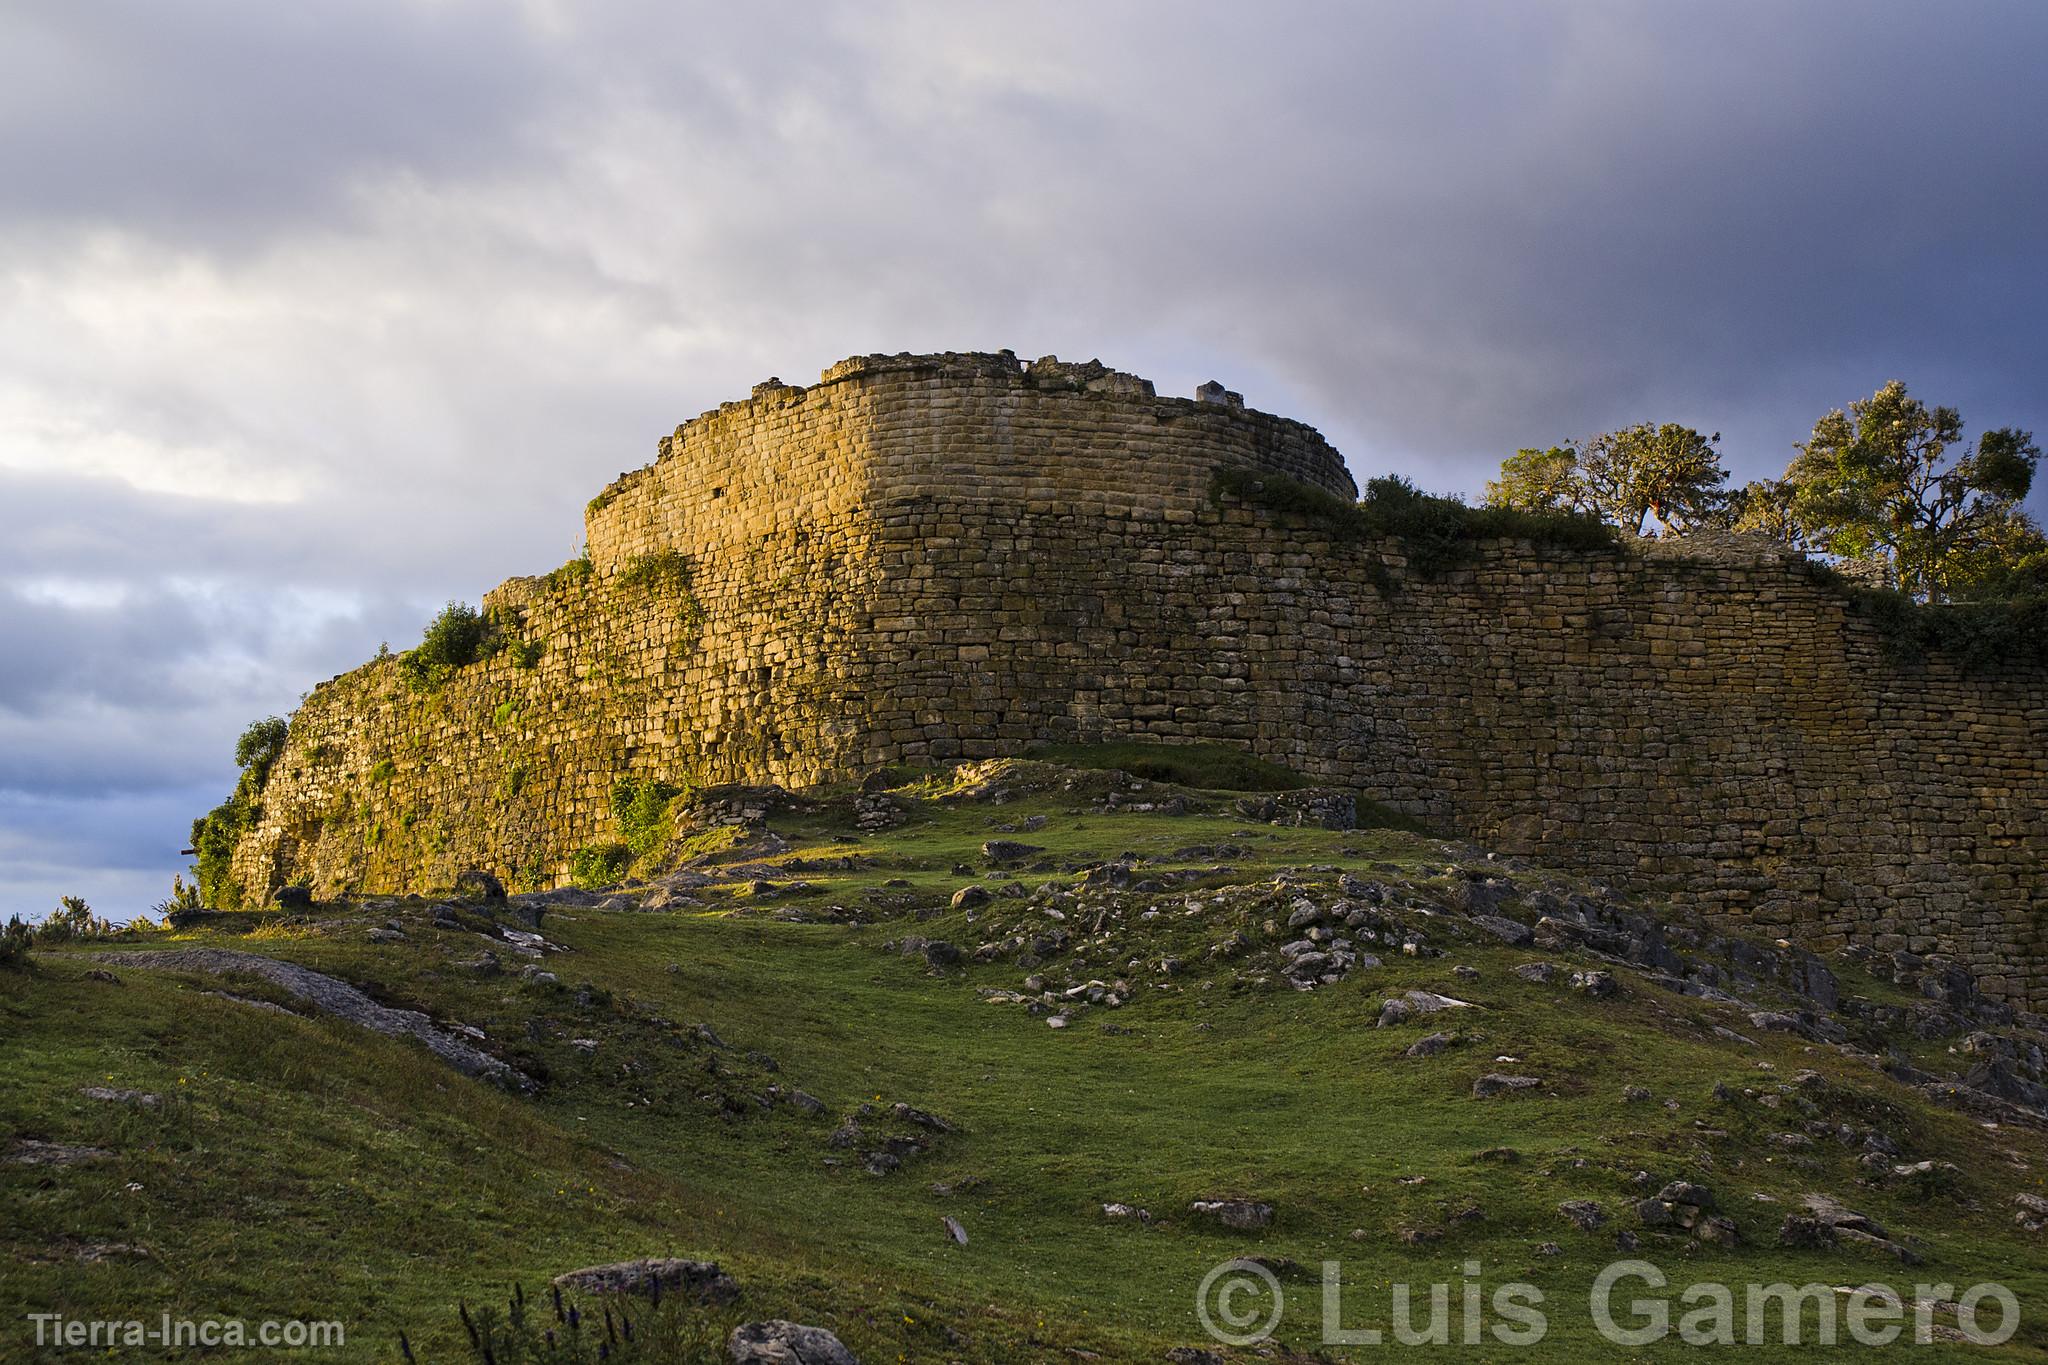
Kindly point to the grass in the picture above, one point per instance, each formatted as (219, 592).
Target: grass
(303, 1168)
(1212, 767)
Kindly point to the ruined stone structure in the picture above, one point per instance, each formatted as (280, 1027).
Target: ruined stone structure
(932, 557)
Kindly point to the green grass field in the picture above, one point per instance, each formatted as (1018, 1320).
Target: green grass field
(305, 1168)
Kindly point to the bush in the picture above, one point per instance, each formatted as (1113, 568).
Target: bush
(72, 919)
(455, 639)
(256, 752)
(640, 807)
(14, 942)
(1979, 635)
(595, 866)
(183, 900)
(573, 574)
(1436, 533)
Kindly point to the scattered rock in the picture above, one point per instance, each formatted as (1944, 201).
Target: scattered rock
(1496, 1083)
(32, 1152)
(971, 897)
(140, 1098)
(1130, 1211)
(338, 998)
(1430, 1046)
(1514, 933)
(1804, 1232)
(1583, 1214)
(954, 1230)
(1009, 850)
(1595, 985)
(1245, 1215)
(699, 1280)
(1542, 973)
(778, 1342)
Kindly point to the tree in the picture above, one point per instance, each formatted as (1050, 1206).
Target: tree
(1663, 472)
(1883, 483)
(1539, 481)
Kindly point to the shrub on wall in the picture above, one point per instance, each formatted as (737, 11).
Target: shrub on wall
(455, 639)
(641, 809)
(1435, 533)
(215, 833)
(599, 865)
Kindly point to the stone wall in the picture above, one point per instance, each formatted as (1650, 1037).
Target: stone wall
(931, 557)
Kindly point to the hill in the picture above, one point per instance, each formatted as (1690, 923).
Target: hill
(995, 1062)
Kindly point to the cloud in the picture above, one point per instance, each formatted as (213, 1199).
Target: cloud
(312, 319)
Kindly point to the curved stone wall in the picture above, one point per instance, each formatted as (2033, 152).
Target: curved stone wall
(930, 557)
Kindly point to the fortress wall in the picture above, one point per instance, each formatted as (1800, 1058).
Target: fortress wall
(941, 557)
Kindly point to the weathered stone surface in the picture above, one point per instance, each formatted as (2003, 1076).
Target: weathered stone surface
(1245, 1215)
(777, 1342)
(934, 557)
(700, 1280)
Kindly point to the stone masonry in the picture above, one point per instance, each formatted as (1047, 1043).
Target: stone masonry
(934, 557)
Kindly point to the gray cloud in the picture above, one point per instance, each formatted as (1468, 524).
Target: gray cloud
(312, 321)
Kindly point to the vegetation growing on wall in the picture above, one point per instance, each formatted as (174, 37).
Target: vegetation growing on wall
(215, 833)
(1435, 532)
(456, 638)
(573, 574)
(666, 574)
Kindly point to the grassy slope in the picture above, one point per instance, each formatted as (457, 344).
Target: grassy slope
(302, 1168)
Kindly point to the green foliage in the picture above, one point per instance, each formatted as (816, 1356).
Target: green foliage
(1436, 533)
(1884, 490)
(526, 653)
(382, 771)
(599, 503)
(599, 865)
(183, 900)
(641, 809)
(626, 1330)
(573, 574)
(1213, 767)
(455, 639)
(215, 834)
(505, 713)
(15, 941)
(1981, 635)
(257, 751)
(1663, 472)
(665, 573)
(72, 919)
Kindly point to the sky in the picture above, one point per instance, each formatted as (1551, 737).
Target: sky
(316, 316)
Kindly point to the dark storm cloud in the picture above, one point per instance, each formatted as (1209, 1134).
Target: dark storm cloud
(316, 316)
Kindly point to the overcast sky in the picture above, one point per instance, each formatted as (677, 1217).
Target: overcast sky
(316, 315)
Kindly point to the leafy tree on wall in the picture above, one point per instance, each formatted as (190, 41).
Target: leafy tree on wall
(1650, 476)
(1889, 489)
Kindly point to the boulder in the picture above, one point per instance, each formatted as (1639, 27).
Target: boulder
(970, 897)
(779, 1342)
(653, 1278)
(1583, 1214)
(1511, 932)
(1245, 1215)
(1495, 1083)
